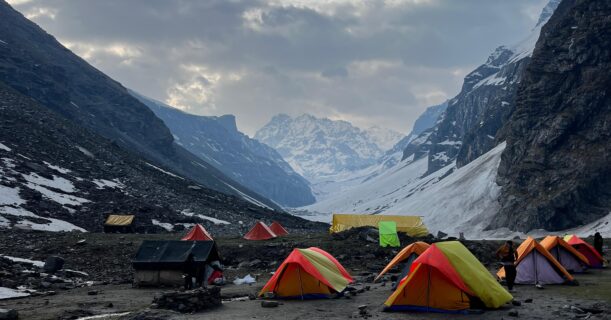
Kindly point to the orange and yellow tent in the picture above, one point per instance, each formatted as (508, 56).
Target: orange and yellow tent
(197, 233)
(260, 232)
(535, 265)
(595, 260)
(447, 277)
(278, 229)
(569, 257)
(406, 257)
(308, 274)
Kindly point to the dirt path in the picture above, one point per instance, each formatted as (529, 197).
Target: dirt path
(553, 302)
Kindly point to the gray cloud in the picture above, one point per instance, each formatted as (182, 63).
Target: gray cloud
(368, 62)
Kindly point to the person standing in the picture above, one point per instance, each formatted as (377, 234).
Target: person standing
(508, 256)
(598, 243)
(189, 271)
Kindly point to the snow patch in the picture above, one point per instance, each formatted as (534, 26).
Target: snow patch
(57, 168)
(4, 147)
(10, 196)
(8, 293)
(201, 216)
(56, 196)
(103, 183)
(56, 183)
(165, 225)
(85, 152)
(54, 225)
(36, 263)
(164, 171)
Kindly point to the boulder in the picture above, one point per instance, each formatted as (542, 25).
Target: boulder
(53, 264)
(8, 314)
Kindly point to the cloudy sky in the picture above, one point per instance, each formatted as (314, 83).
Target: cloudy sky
(370, 62)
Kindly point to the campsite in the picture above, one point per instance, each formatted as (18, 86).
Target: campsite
(108, 287)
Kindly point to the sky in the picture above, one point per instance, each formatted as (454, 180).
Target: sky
(369, 62)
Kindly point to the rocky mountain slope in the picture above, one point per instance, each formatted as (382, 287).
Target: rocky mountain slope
(468, 127)
(35, 64)
(319, 148)
(556, 169)
(253, 164)
(58, 176)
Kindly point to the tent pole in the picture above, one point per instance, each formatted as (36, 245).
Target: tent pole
(300, 283)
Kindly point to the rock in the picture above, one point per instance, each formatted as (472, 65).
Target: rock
(516, 303)
(362, 307)
(269, 304)
(93, 293)
(189, 301)
(529, 300)
(513, 314)
(109, 305)
(53, 264)
(441, 234)
(254, 263)
(8, 314)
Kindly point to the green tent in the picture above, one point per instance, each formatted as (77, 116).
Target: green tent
(388, 234)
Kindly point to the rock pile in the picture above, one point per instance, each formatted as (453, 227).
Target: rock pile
(14, 274)
(189, 301)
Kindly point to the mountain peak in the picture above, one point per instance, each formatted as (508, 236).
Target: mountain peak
(228, 122)
(547, 12)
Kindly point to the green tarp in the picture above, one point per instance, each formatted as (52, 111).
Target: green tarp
(388, 234)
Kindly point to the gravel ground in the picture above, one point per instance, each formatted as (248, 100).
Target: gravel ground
(107, 260)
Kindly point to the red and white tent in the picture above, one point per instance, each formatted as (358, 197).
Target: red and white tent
(278, 229)
(197, 233)
(260, 232)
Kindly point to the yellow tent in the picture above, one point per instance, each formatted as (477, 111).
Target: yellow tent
(412, 225)
(119, 223)
(445, 278)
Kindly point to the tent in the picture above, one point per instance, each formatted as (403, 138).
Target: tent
(447, 277)
(405, 258)
(160, 262)
(411, 225)
(595, 260)
(535, 265)
(197, 233)
(569, 257)
(260, 232)
(308, 274)
(119, 223)
(388, 234)
(278, 229)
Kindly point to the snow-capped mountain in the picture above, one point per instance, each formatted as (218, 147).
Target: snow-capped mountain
(385, 138)
(320, 148)
(218, 141)
(448, 173)
(468, 127)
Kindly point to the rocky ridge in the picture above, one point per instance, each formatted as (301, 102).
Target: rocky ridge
(555, 172)
(58, 176)
(35, 64)
(253, 164)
